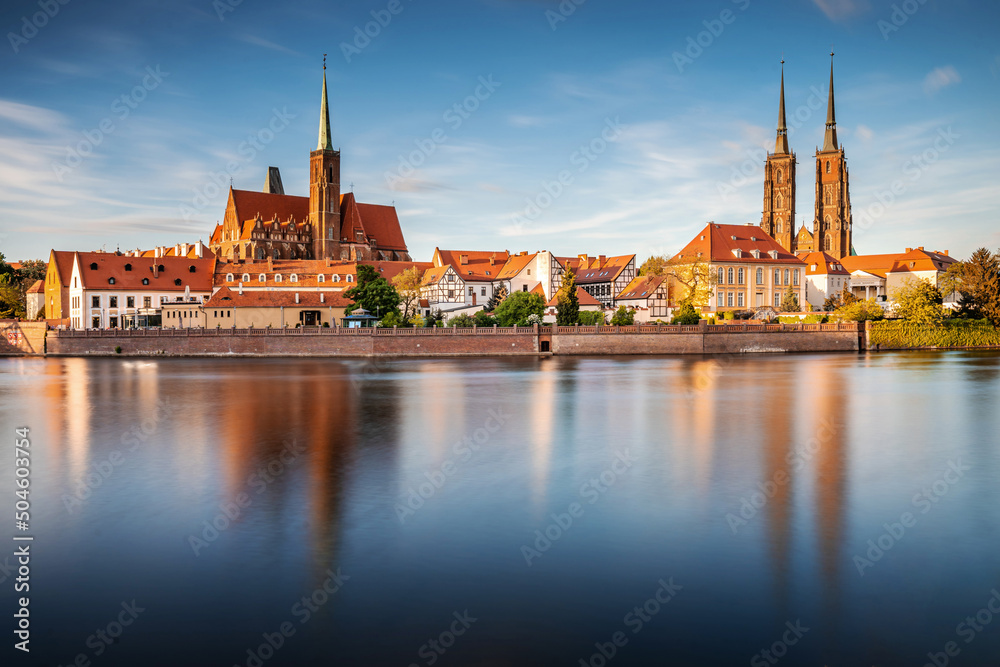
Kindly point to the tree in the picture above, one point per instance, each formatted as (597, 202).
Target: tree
(567, 302)
(436, 317)
(978, 284)
(495, 299)
(407, 284)
(686, 314)
(373, 293)
(696, 278)
(654, 266)
(589, 318)
(484, 319)
(790, 302)
(918, 301)
(11, 303)
(860, 311)
(516, 308)
(462, 321)
(392, 319)
(623, 317)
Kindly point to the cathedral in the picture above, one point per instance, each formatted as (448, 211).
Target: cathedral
(325, 225)
(831, 229)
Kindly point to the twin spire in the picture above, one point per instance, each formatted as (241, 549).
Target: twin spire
(325, 140)
(829, 142)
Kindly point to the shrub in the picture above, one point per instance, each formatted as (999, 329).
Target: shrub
(462, 321)
(484, 319)
(393, 319)
(861, 311)
(950, 333)
(591, 318)
(623, 317)
(118, 349)
(516, 308)
(686, 314)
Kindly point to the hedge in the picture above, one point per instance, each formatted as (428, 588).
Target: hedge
(897, 334)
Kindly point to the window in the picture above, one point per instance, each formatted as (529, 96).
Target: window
(95, 322)
(827, 244)
(720, 300)
(722, 278)
(730, 274)
(321, 278)
(729, 299)
(95, 302)
(472, 291)
(828, 166)
(294, 278)
(350, 279)
(451, 294)
(524, 288)
(778, 203)
(450, 277)
(529, 272)
(795, 277)
(739, 299)
(277, 277)
(145, 281)
(130, 302)
(777, 276)
(780, 179)
(760, 276)
(787, 277)
(245, 278)
(482, 291)
(229, 278)
(111, 280)
(177, 281)
(112, 302)
(777, 299)
(93, 266)
(335, 278)
(147, 302)
(742, 276)
(128, 267)
(163, 300)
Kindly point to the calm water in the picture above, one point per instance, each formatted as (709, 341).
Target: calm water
(742, 491)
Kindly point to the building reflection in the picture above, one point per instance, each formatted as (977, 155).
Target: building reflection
(779, 411)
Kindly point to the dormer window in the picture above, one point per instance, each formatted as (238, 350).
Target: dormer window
(277, 277)
(773, 254)
(262, 278)
(350, 279)
(177, 281)
(335, 278)
(93, 266)
(145, 281)
(737, 253)
(229, 278)
(321, 278)
(128, 267)
(756, 254)
(191, 269)
(111, 280)
(245, 278)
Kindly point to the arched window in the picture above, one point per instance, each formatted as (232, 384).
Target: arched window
(229, 277)
(111, 280)
(760, 276)
(277, 277)
(262, 278)
(777, 276)
(128, 267)
(145, 281)
(335, 278)
(246, 277)
(787, 277)
(321, 278)
(778, 202)
(828, 166)
(780, 179)
(730, 275)
(827, 244)
(741, 276)
(294, 278)
(350, 279)
(779, 227)
(795, 277)
(722, 276)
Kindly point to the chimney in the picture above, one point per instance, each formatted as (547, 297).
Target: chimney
(463, 260)
(329, 261)
(583, 260)
(156, 252)
(602, 259)
(241, 288)
(177, 250)
(909, 250)
(493, 259)
(187, 292)
(920, 248)
(156, 270)
(184, 249)
(945, 253)
(322, 297)
(296, 297)
(199, 249)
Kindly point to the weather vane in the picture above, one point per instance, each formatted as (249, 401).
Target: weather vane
(324, 61)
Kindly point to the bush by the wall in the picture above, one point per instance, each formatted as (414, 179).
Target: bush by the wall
(896, 334)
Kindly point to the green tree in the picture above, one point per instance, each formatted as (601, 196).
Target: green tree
(462, 321)
(790, 302)
(978, 284)
(567, 302)
(860, 311)
(623, 317)
(484, 319)
(516, 308)
(495, 299)
(686, 314)
(654, 266)
(695, 276)
(589, 318)
(918, 301)
(436, 317)
(407, 284)
(373, 293)
(392, 319)
(11, 302)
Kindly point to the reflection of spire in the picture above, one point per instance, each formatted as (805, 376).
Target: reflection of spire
(781, 145)
(777, 445)
(830, 142)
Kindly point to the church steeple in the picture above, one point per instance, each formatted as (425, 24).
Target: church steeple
(325, 142)
(830, 142)
(781, 144)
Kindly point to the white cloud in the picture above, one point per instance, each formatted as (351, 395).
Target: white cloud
(840, 10)
(940, 78)
(864, 133)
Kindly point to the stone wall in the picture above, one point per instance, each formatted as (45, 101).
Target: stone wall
(17, 338)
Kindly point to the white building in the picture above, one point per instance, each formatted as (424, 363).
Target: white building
(825, 276)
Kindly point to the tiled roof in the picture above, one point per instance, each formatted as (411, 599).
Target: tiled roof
(306, 272)
(918, 259)
(642, 287)
(515, 265)
(878, 265)
(539, 290)
(64, 263)
(38, 286)
(820, 264)
(598, 269)
(582, 296)
(248, 204)
(390, 270)
(227, 298)
(716, 243)
(112, 265)
(434, 274)
(477, 266)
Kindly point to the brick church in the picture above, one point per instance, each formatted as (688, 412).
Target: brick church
(325, 225)
(831, 230)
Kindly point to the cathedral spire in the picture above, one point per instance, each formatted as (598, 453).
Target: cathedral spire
(325, 144)
(781, 144)
(830, 142)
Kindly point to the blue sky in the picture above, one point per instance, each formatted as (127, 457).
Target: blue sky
(673, 142)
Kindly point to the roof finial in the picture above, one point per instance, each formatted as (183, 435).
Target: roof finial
(830, 141)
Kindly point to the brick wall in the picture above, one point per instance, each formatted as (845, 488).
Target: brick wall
(18, 338)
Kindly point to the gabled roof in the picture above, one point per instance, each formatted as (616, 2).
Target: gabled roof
(820, 263)
(228, 298)
(591, 270)
(582, 297)
(878, 265)
(478, 266)
(64, 264)
(539, 290)
(378, 222)
(918, 259)
(515, 265)
(390, 270)
(247, 204)
(435, 274)
(642, 287)
(129, 272)
(716, 243)
(38, 286)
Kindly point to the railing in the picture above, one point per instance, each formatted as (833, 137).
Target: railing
(852, 327)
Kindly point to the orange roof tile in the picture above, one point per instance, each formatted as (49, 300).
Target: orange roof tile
(514, 265)
(227, 298)
(38, 286)
(248, 204)
(477, 266)
(582, 297)
(642, 287)
(64, 264)
(129, 272)
(820, 264)
(717, 243)
(597, 271)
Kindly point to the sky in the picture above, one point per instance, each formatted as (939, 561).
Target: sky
(586, 126)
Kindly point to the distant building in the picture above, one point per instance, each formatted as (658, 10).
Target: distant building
(327, 224)
(35, 305)
(536, 272)
(648, 296)
(877, 276)
(602, 277)
(825, 277)
(459, 280)
(276, 309)
(587, 303)
(750, 268)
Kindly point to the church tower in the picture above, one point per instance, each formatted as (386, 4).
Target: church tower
(778, 220)
(832, 224)
(324, 187)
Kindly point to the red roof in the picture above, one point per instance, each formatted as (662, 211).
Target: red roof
(821, 264)
(601, 269)
(914, 259)
(581, 295)
(64, 264)
(248, 204)
(717, 243)
(227, 298)
(38, 286)
(642, 287)
(473, 266)
(129, 272)
(515, 265)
